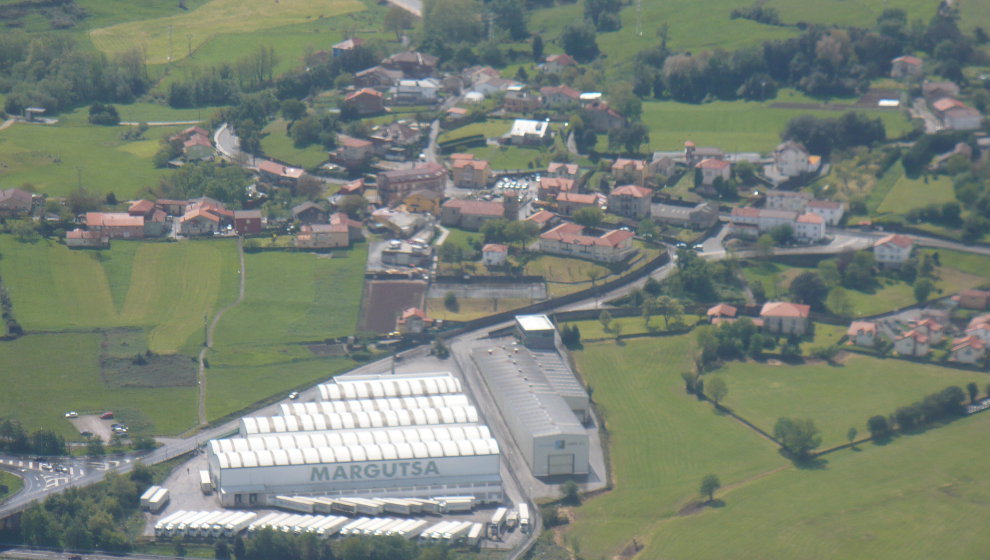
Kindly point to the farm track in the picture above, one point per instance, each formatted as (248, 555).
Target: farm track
(209, 334)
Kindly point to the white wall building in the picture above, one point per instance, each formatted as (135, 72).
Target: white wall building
(809, 228)
(831, 210)
(792, 159)
(893, 250)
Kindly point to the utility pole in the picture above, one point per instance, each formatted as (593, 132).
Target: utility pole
(188, 44)
(639, 17)
(169, 59)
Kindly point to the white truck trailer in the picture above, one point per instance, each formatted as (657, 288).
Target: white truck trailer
(205, 484)
(524, 517)
(497, 523)
(474, 534)
(158, 502)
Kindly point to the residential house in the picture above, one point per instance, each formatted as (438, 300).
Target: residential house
(81, 238)
(794, 201)
(602, 118)
(566, 170)
(941, 105)
(974, 299)
(573, 240)
(570, 202)
(423, 202)
(556, 63)
(782, 317)
(278, 174)
(792, 159)
(355, 231)
(413, 320)
(809, 228)
(487, 86)
(750, 222)
(402, 224)
(471, 173)
(412, 64)
(494, 254)
(521, 101)
(557, 97)
(346, 46)
(527, 132)
(545, 219)
(198, 148)
(962, 118)
(932, 91)
(630, 201)
(912, 344)
(893, 250)
(475, 74)
(721, 312)
(663, 165)
(310, 212)
(402, 253)
(15, 202)
(173, 208)
(199, 221)
(143, 208)
(353, 152)
(968, 350)
(633, 171)
(395, 185)
(863, 333)
(550, 187)
(694, 155)
(930, 328)
(417, 92)
(470, 214)
(713, 169)
(700, 216)
(906, 68)
(365, 101)
(115, 225)
(456, 115)
(377, 77)
(154, 217)
(831, 210)
(322, 236)
(355, 187)
(980, 330)
(247, 222)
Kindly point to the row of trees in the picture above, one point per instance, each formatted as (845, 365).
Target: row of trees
(946, 404)
(223, 182)
(822, 136)
(14, 438)
(267, 544)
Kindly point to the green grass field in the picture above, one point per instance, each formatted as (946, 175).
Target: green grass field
(662, 442)
(835, 397)
(55, 158)
(860, 13)
(919, 497)
(735, 126)
(295, 297)
(914, 193)
(511, 157)
(472, 308)
(46, 375)
(166, 288)
(217, 17)
(277, 144)
(153, 112)
(13, 483)
(489, 129)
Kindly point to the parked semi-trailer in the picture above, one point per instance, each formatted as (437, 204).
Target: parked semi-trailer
(148, 494)
(205, 484)
(158, 501)
(165, 521)
(497, 523)
(414, 530)
(474, 534)
(524, 517)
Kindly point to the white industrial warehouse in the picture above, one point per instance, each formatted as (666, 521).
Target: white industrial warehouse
(382, 436)
(541, 400)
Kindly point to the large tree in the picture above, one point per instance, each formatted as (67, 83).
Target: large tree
(798, 436)
(590, 216)
(717, 390)
(578, 40)
(809, 288)
(709, 485)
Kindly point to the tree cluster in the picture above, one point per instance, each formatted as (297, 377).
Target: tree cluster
(103, 114)
(53, 72)
(15, 439)
(510, 232)
(823, 136)
(223, 182)
(697, 279)
(917, 158)
(88, 518)
(758, 13)
(570, 335)
(13, 328)
(943, 405)
(798, 436)
(732, 341)
(820, 62)
(603, 14)
(248, 118)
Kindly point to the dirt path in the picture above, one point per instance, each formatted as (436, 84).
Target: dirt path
(6, 124)
(209, 335)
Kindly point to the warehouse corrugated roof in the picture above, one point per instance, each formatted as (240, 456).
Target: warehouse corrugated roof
(355, 453)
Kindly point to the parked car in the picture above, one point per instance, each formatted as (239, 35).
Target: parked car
(294, 395)
(106, 416)
(72, 414)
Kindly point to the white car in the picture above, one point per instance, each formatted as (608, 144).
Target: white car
(72, 414)
(294, 395)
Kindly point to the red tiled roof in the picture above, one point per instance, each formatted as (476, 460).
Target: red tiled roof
(746, 212)
(913, 60)
(947, 103)
(573, 234)
(340, 218)
(622, 163)
(917, 336)
(972, 341)
(352, 142)
(562, 184)
(634, 191)
(141, 207)
(113, 219)
(901, 241)
(476, 164)
(784, 309)
(280, 170)
(197, 140)
(563, 90)
(541, 217)
(200, 213)
(562, 59)
(495, 248)
(476, 207)
(363, 92)
(353, 187)
(712, 163)
(810, 218)
(864, 327)
(577, 198)
(569, 168)
(722, 310)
